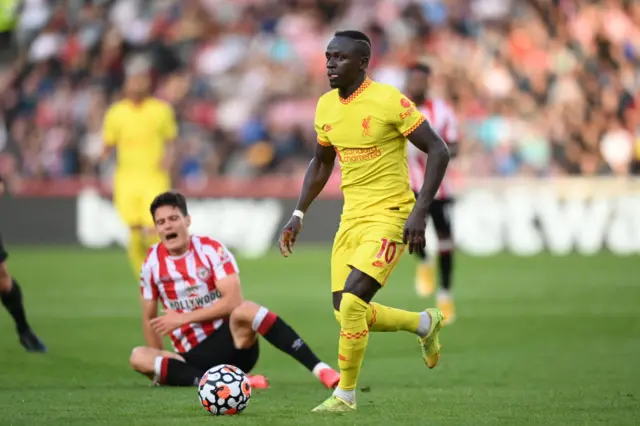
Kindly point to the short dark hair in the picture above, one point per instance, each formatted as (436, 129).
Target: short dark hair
(169, 198)
(421, 67)
(357, 36)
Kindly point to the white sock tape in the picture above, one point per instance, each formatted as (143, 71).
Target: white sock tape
(257, 320)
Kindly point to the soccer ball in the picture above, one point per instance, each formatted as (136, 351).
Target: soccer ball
(224, 390)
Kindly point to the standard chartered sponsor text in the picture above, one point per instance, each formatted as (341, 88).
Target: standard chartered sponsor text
(352, 155)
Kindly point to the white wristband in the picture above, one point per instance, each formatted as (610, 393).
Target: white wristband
(298, 213)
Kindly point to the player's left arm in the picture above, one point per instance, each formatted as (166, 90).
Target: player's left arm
(225, 269)
(230, 298)
(413, 125)
(428, 141)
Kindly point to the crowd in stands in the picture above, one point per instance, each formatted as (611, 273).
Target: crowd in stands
(540, 87)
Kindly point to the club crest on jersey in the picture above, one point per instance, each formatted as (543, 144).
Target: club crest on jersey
(405, 102)
(366, 126)
(203, 273)
(327, 128)
(224, 255)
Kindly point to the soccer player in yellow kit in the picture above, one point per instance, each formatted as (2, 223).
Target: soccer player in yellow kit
(366, 125)
(141, 129)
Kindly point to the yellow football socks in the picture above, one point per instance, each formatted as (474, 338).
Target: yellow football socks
(354, 336)
(383, 318)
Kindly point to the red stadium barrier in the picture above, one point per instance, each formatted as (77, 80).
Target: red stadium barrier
(288, 187)
(520, 216)
(262, 187)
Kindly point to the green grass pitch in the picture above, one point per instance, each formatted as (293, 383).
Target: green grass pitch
(539, 341)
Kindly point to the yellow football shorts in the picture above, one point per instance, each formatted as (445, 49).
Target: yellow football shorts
(373, 246)
(132, 198)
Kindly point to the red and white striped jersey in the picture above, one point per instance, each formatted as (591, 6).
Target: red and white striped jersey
(442, 119)
(187, 283)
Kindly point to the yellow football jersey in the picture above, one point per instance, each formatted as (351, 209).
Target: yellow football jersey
(140, 134)
(368, 131)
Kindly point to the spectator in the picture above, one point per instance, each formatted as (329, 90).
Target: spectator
(540, 87)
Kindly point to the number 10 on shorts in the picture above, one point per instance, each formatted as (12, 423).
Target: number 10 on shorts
(388, 249)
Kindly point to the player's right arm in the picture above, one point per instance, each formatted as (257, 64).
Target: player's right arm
(149, 301)
(149, 312)
(315, 179)
(109, 133)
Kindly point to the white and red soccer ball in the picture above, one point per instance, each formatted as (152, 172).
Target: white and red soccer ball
(224, 390)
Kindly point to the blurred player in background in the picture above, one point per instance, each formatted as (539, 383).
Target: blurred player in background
(209, 323)
(442, 118)
(366, 125)
(11, 297)
(141, 129)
